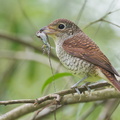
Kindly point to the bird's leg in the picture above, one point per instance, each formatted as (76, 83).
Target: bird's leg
(76, 84)
(86, 85)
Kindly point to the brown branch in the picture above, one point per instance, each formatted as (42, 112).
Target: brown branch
(36, 101)
(19, 40)
(61, 93)
(44, 112)
(66, 100)
(30, 56)
(23, 42)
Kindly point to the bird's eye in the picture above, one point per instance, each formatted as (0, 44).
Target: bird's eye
(61, 26)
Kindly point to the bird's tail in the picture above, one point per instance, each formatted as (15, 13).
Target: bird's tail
(112, 79)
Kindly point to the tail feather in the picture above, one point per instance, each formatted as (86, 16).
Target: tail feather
(112, 79)
(116, 84)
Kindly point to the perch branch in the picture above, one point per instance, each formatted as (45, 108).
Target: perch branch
(66, 100)
(61, 93)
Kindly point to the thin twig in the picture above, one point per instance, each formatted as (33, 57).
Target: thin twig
(47, 111)
(4, 78)
(36, 114)
(104, 17)
(100, 19)
(114, 107)
(25, 14)
(110, 23)
(90, 110)
(80, 12)
(108, 108)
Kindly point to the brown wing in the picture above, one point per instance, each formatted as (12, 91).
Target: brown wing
(81, 46)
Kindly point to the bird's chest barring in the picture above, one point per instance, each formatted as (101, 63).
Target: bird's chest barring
(75, 65)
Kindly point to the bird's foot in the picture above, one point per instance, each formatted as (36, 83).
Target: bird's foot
(76, 89)
(76, 84)
(87, 87)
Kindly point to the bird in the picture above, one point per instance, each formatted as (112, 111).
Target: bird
(80, 54)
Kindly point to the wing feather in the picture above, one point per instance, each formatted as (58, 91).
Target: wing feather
(81, 46)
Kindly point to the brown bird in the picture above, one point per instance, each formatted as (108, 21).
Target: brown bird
(78, 53)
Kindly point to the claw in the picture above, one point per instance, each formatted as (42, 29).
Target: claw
(86, 86)
(76, 89)
(76, 84)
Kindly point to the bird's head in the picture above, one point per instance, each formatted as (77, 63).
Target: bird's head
(60, 28)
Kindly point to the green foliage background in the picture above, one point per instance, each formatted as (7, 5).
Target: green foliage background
(22, 79)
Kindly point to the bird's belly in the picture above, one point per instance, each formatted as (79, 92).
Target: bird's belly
(76, 65)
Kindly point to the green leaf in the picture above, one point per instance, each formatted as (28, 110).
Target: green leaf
(53, 78)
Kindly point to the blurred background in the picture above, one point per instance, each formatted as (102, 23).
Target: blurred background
(23, 66)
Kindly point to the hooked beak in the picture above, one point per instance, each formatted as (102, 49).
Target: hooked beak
(48, 30)
(42, 31)
(45, 30)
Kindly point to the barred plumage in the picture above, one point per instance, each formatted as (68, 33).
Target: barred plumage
(79, 53)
